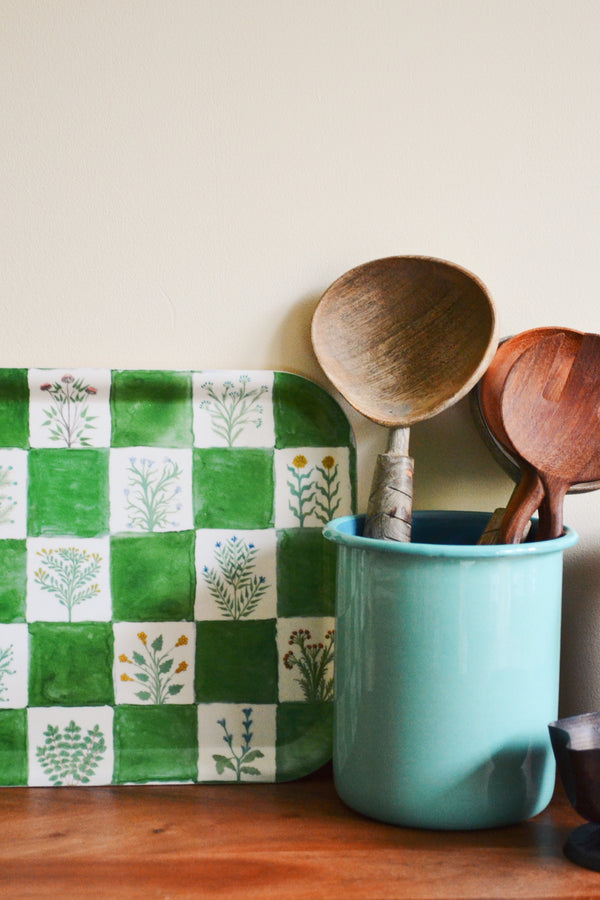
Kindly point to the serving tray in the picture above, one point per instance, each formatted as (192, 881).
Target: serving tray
(166, 595)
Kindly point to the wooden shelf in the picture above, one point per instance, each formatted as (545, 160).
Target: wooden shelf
(294, 840)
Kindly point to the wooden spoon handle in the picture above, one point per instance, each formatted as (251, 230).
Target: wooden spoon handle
(389, 510)
(555, 493)
(525, 500)
(510, 525)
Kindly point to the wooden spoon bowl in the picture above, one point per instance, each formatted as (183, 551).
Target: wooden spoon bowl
(405, 337)
(402, 339)
(551, 414)
(528, 495)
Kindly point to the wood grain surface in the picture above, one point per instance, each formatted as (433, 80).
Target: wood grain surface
(294, 840)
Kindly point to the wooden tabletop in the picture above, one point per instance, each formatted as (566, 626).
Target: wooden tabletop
(284, 841)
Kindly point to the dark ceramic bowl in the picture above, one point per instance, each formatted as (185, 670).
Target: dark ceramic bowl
(576, 745)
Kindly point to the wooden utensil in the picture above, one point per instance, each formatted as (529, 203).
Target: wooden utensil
(402, 339)
(510, 524)
(551, 414)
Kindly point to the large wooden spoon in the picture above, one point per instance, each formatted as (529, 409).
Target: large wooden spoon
(528, 495)
(402, 339)
(551, 414)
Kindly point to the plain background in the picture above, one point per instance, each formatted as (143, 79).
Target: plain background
(182, 179)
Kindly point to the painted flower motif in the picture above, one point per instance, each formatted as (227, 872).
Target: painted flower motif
(232, 409)
(300, 461)
(328, 462)
(238, 762)
(312, 661)
(152, 671)
(68, 418)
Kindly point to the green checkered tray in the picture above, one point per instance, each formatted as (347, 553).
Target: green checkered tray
(166, 595)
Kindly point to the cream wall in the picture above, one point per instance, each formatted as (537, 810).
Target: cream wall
(181, 181)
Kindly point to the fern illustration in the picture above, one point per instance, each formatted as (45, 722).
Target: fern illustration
(234, 585)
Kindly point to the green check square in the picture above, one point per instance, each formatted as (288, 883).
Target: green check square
(155, 743)
(68, 492)
(70, 665)
(306, 415)
(233, 488)
(14, 766)
(151, 409)
(304, 738)
(236, 662)
(305, 573)
(153, 576)
(14, 408)
(13, 580)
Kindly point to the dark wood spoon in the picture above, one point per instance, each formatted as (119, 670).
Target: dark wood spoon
(528, 496)
(551, 415)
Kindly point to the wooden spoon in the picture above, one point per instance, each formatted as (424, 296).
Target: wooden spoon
(551, 414)
(402, 339)
(528, 494)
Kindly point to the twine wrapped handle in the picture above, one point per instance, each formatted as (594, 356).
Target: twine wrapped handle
(389, 510)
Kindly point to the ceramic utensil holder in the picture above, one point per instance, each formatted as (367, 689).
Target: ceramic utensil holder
(447, 669)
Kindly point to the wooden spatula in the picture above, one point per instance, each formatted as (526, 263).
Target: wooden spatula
(551, 415)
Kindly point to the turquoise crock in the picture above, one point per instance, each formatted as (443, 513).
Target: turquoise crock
(447, 671)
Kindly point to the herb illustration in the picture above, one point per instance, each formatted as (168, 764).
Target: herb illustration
(6, 661)
(7, 504)
(234, 408)
(69, 575)
(69, 757)
(314, 495)
(152, 493)
(299, 486)
(153, 669)
(235, 587)
(238, 762)
(68, 418)
(327, 500)
(312, 661)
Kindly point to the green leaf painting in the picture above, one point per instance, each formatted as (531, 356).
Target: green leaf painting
(70, 757)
